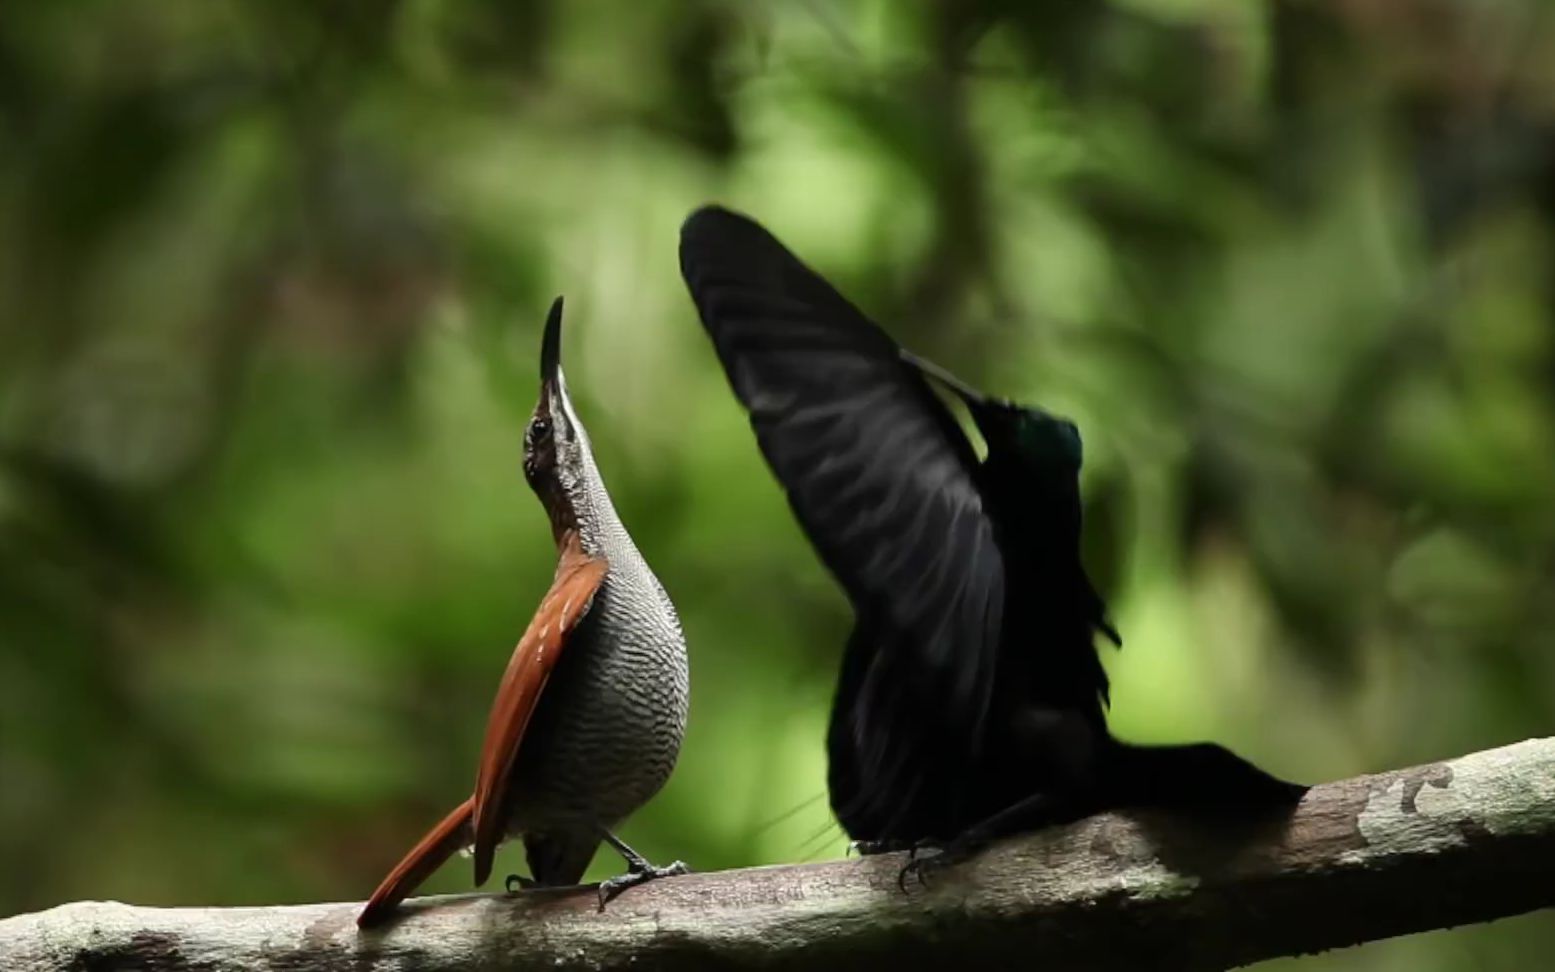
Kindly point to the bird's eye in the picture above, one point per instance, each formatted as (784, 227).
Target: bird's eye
(539, 430)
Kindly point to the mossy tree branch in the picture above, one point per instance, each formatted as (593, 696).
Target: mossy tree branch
(1461, 841)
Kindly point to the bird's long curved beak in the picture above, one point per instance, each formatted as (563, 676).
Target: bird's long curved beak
(551, 350)
(974, 398)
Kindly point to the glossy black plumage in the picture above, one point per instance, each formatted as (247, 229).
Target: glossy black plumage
(971, 680)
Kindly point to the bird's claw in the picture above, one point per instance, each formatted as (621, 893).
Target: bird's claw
(635, 875)
(523, 883)
(919, 865)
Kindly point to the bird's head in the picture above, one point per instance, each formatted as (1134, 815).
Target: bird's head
(555, 444)
(1035, 438)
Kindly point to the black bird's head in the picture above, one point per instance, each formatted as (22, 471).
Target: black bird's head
(1040, 441)
(1032, 438)
(556, 448)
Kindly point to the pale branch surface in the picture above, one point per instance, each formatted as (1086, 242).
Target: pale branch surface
(1432, 846)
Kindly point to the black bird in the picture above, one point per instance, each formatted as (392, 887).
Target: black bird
(971, 698)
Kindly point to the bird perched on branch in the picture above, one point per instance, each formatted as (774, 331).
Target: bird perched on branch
(590, 713)
(971, 697)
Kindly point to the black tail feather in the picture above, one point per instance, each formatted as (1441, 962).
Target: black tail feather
(1201, 777)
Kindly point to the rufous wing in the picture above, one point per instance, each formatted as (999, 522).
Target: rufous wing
(578, 577)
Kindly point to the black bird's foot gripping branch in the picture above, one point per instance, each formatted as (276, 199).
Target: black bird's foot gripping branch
(925, 857)
(515, 883)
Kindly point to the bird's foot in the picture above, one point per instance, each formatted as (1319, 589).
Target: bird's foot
(638, 872)
(519, 882)
(867, 847)
(920, 866)
(1037, 810)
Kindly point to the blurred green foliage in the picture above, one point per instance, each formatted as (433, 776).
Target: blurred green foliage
(271, 281)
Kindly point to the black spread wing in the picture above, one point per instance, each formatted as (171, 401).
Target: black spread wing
(876, 469)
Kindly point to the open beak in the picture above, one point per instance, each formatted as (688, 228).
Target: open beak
(989, 414)
(975, 400)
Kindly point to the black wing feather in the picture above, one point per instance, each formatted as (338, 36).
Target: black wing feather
(876, 469)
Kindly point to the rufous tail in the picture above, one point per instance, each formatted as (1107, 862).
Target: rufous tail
(440, 843)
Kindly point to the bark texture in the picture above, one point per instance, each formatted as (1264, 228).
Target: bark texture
(1432, 846)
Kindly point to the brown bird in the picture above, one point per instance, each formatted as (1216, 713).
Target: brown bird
(591, 711)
